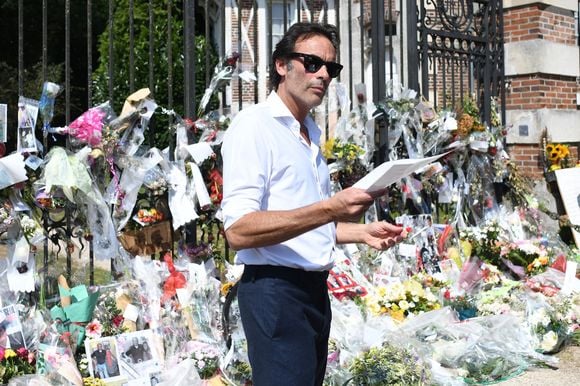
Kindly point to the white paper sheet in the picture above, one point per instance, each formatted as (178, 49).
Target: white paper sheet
(390, 172)
(12, 170)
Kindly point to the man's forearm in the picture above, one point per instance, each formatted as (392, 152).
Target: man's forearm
(347, 233)
(264, 228)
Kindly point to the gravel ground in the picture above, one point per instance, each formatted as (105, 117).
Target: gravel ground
(567, 374)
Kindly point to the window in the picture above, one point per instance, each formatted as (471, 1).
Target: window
(278, 19)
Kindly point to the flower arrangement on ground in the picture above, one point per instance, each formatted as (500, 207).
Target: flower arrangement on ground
(553, 321)
(388, 365)
(400, 300)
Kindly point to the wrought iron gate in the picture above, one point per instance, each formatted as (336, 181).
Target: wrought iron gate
(459, 52)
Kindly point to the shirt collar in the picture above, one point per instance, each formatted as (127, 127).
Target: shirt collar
(281, 111)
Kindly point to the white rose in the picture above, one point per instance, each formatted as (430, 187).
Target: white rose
(549, 341)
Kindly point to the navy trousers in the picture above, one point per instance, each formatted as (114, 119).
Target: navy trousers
(286, 317)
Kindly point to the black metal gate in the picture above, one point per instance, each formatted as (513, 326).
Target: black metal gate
(459, 53)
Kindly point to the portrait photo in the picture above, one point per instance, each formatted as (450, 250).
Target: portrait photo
(138, 354)
(103, 358)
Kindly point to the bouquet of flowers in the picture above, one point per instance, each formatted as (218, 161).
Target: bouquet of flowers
(400, 300)
(205, 357)
(504, 299)
(15, 363)
(32, 230)
(558, 156)
(388, 365)
(108, 319)
(348, 166)
(553, 321)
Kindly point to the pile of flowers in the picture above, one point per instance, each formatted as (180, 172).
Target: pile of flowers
(400, 300)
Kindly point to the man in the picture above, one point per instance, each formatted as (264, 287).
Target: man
(135, 351)
(280, 217)
(99, 357)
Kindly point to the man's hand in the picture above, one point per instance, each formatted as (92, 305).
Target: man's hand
(382, 235)
(348, 205)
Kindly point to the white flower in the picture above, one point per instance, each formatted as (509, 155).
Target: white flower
(404, 305)
(549, 341)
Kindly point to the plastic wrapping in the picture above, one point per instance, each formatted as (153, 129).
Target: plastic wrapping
(481, 350)
(88, 128)
(46, 104)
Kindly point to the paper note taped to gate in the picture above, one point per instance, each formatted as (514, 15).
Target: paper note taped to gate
(390, 172)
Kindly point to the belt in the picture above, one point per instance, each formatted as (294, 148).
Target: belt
(255, 272)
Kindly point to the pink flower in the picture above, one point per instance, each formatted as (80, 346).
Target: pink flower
(94, 329)
(89, 126)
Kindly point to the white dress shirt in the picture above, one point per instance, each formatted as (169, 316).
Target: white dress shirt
(267, 165)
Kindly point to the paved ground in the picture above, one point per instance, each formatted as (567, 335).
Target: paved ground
(567, 374)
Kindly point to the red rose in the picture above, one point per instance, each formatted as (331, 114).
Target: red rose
(118, 320)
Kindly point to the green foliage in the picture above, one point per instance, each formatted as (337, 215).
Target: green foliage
(168, 83)
(388, 365)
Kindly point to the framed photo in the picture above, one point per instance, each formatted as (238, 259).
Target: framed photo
(138, 356)
(3, 122)
(103, 358)
(11, 335)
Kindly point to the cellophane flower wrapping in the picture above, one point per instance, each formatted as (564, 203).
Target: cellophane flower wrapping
(50, 91)
(88, 128)
(55, 357)
(31, 229)
(480, 350)
(123, 193)
(552, 319)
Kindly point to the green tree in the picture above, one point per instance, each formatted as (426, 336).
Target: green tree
(160, 64)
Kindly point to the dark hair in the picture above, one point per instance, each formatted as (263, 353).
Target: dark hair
(295, 33)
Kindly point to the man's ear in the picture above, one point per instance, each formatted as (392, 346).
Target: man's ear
(281, 67)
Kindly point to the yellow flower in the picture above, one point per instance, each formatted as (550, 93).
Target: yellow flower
(328, 149)
(466, 247)
(226, 287)
(398, 315)
(9, 353)
(453, 254)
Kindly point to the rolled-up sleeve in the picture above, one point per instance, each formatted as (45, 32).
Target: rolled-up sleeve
(245, 156)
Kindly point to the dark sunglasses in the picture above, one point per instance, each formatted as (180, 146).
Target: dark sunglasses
(313, 63)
